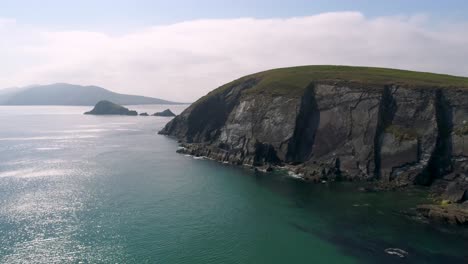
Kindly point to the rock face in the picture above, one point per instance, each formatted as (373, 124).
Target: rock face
(456, 190)
(326, 122)
(109, 108)
(166, 113)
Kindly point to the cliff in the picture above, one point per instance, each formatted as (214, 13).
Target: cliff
(335, 122)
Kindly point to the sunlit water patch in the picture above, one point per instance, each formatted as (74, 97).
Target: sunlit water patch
(47, 138)
(107, 189)
(47, 148)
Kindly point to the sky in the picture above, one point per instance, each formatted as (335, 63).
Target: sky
(180, 50)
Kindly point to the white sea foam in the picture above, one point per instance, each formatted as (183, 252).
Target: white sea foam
(295, 175)
(49, 148)
(396, 252)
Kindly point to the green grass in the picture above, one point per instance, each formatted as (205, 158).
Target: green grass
(292, 81)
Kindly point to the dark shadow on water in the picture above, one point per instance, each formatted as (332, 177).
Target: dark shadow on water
(363, 225)
(372, 250)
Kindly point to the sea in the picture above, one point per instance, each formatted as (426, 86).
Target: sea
(78, 188)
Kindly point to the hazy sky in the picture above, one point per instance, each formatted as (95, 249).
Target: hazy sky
(180, 50)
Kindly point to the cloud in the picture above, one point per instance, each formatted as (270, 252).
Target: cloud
(186, 60)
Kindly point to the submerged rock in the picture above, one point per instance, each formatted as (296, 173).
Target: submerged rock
(454, 214)
(166, 113)
(368, 189)
(109, 108)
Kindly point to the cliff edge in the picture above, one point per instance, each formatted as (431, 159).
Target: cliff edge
(336, 122)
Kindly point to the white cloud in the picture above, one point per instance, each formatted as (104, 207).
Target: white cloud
(186, 60)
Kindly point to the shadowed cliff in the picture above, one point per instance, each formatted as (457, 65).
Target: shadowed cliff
(335, 122)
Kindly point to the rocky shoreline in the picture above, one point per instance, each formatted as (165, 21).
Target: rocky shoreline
(390, 135)
(449, 194)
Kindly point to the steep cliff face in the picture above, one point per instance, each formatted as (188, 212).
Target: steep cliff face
(335, 122)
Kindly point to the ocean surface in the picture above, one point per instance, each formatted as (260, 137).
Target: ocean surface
(107, 189)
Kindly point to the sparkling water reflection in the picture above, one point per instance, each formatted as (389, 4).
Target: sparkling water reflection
(107, 189)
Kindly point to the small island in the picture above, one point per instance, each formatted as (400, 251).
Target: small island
(108, 108)
(144, 114)
(165, 113)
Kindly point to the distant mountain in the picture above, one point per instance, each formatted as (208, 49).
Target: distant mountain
(9, 90)
(69, 94)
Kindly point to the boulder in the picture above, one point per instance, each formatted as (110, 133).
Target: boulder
(166, 113)
(456, 191)
(108, 108)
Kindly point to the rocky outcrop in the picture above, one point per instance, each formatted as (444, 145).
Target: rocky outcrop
(385, 128)
(109, 108)
(452, 214)
(166, 113)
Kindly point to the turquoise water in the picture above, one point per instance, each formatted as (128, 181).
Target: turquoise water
(90, 189)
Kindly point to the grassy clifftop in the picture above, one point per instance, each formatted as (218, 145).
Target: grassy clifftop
(291, 81)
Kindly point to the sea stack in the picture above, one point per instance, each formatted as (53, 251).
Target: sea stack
(166, 113)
